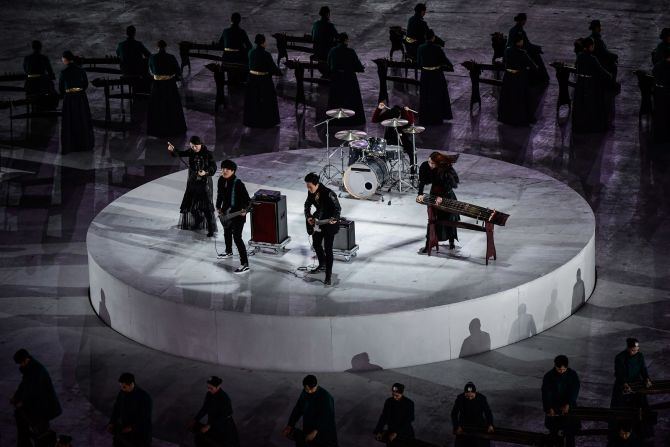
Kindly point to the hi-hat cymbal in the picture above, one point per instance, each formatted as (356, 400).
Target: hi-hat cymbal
(350, 135)
(395, 122)
(414, 129)
(340, 113)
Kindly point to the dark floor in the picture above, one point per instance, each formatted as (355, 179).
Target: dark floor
(49, 199)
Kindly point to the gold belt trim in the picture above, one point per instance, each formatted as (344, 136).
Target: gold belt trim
(163, 77)
(258, 73)
(509, 70)
(583, 76)
(231, 49)
(74, 90)
(661, 86)
(431, 68)
(409, 39)
(35, 75)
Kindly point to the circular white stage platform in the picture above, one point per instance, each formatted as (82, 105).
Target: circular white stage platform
(388, 307)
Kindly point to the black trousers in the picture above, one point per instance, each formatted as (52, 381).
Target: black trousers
(324, 241)
(32, 433)
(233, 232)
(568, 425)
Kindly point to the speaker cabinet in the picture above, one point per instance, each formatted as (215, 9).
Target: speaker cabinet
(268, 219)
(345, 239)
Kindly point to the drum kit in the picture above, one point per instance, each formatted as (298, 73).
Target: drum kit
(372, 163)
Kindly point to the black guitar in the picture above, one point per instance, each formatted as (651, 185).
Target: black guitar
(226, 217)
(318, 222)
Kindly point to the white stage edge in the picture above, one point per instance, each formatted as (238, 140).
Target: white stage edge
(389, 306)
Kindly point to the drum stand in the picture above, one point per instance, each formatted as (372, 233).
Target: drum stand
(409, 184)
(327, 170)
(413, 177)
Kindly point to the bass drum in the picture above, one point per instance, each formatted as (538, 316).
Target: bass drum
(363, 178)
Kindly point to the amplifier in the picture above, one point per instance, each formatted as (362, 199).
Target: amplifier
(268, 219)
(345, 239)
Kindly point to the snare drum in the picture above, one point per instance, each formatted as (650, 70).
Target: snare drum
(363, 178)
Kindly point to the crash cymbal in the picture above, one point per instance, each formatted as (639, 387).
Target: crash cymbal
(350, 135)
(395, 122)
(340, 113)
(414, 129)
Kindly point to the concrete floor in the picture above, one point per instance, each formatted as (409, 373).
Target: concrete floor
(49, 200)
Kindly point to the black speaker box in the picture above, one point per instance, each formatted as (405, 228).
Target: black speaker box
(268, 219)
(345, 239)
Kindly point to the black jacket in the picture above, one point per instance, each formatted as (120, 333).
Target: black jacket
(430, 54)
(559, 389)
(474, 413)
(203, 160)
(398, 415)
(588, 64)
(629, 369)
(344, 59)
(133, 55)
(231, 194)
(261, 60)
(326, 204)
(235, 38)
(73, 76)
(36, 393)
(37, 64)
(416, 28)
(518, 59)
(133, 409)
(164, 64)
(324, 35)
(318, 413)
(218, 409)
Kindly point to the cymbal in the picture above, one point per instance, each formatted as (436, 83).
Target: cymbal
(350, 135)
(395, 122)
(340, 113)
(414, 129)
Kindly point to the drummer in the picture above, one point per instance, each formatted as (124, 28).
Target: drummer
(384, 112)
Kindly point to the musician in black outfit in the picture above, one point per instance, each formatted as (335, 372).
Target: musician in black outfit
(607, 59)
(471, 409)
(35, 401)
(397, 415)
(540, 75)
(514, 105)
(416, 31)
(130, 422)
(40, 78)
(232, 197)
(439, 173)
(560, 389)
(344, 90)
(324, 35)
(236, 46)
(220, 429)
(661, 121)
(76, 124)
(316, 407)
(657, 54)
(165, 116)
(326, 206)
(434, 101)
(197, 209)
(260, 103)
(383, 112)
(134, 60)
(592, 100)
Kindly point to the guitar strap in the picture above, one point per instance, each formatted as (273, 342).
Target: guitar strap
(232, 193)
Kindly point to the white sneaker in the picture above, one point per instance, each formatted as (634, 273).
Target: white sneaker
(241, 269)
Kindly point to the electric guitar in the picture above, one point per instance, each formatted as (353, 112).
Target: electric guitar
(226, 217)
(311, 229)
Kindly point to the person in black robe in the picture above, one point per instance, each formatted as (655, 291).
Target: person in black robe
(134, 60)
(316, 407)
(220, 429)
(165, 116)
(607, 59)
(591, 106)
(383, 112)
(232, 197)
(560, 389)
(35, 401)
(397, 416)
(260, 104)
(471, 410)
(324, 35)
(130, 422)
(514, 105)
(328, 207)
(416, 31)
(76, 124)
(39, 84)
(197, 209)
(345, 93)
(661, 117)
(439, 173)
(236, 46)
(434, 101)
(540, 75)
(664, 44)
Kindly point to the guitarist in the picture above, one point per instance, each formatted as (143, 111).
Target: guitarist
(232, 197)
(327, 207)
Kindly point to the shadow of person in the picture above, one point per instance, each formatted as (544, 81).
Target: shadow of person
(478, 340)
(578, 292)
(361, 362)
(523, 326)
(551, 315)
(103, 312)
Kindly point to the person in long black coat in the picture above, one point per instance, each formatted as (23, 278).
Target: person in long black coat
(165, 116)
(324, 35)
(607, 59)
(591, 106)
(35, 399)
(540, 75)
(661, 120)
(560, 389)
(514, 105)
(345, 93)
(260, 103)
(439, 173)
(76, 124)
(316, 407)
(236, 46)
(130, 422)
(134, 60)
(220, 429)
(471, 409)
(397, 416)
(40, 78)
(434, 101)
(197, 208)
(416, 31)
(664, 44)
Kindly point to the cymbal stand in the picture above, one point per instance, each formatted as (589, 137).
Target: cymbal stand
(401, 165)
(413, 164)
(327, 170)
